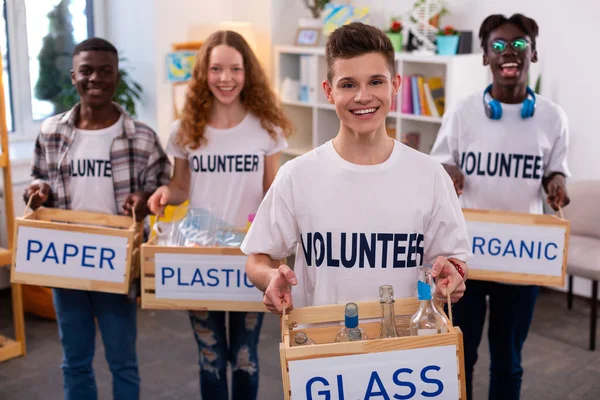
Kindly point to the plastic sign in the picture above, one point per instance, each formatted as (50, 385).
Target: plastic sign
(203, 277)
(524, 249)
(71, 254)
(429, 372)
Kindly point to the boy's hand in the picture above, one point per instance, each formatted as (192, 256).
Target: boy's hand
(138, 203)
(280, 290)
(457, 177)
(557, 192)
(39, 192)
(447, 278)
(159, 199)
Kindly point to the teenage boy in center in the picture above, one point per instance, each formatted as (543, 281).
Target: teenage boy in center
(354, 209)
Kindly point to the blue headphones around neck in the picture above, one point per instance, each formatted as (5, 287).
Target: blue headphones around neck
(493, 108)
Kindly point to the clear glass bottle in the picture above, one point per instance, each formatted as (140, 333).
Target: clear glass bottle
(351, 332)
(427, 320)
(388, 317)
(302, 340)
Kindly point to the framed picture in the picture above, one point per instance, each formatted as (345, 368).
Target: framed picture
(307, 36)
(180, 65)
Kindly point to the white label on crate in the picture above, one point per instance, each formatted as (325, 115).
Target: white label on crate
(71, 254)
(429, 372)
(526, 249)
(203, 277)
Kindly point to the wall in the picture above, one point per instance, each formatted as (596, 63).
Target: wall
(137, 44)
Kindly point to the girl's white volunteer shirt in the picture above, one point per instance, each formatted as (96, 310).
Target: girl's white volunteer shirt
(356, 227)
(227, 174)
(504, 161)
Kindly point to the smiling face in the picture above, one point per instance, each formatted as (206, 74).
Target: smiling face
(226, 74)
(95, 75)
(362, 88)
(509, 53)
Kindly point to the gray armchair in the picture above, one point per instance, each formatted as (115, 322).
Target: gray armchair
(584, 242)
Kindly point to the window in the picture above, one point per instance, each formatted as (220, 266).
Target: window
(39, 37)
(5, 67)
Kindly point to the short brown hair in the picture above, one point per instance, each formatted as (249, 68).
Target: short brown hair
(357, 39)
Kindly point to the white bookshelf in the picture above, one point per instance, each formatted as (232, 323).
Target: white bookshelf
(316, 121)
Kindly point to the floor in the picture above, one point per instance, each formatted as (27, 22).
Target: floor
(556, 360)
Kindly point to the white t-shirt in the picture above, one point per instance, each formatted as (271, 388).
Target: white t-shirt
(357, 227)
(504, 160)
(227, 174)
(91, 186)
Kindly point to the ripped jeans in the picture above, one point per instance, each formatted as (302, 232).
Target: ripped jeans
(214, 353)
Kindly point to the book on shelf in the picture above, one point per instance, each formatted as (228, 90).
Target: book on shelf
(423, 96)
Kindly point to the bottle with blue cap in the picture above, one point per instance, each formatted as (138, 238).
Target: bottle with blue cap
(427, 320)
(351, 332)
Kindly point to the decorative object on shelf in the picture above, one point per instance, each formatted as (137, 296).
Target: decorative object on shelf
(395, 34)
(308, 36)
(316, 9)
(420, 24)
(447, 41)
(336, 15)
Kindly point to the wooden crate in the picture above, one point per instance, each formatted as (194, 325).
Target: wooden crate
(196, 262)
(76, 250)
(328, 366)
(517, 248)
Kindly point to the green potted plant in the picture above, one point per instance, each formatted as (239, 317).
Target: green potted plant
(395, 34)
(447, 41)
(127, 93)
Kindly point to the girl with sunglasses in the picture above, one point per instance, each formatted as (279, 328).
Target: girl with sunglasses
(501, 147)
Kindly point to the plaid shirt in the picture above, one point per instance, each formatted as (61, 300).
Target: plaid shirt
(139, 163)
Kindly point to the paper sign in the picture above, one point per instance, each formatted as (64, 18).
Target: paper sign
(71, 254)
(525, 249)
(203, 277)
(429, 372)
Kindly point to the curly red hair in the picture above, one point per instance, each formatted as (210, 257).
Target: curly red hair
(256, 96)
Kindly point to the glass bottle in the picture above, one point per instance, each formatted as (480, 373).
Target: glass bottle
(427, 320)
(388, 318)
(302, 340)
(351, 332)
